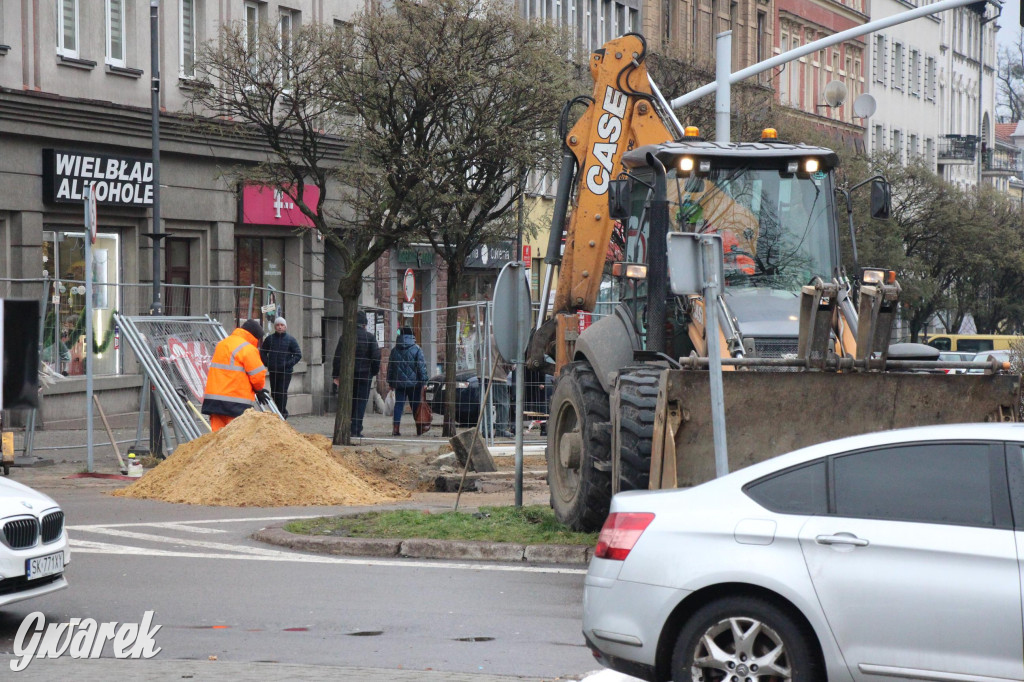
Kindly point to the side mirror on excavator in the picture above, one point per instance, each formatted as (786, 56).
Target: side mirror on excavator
(881, 199)
(618, 199)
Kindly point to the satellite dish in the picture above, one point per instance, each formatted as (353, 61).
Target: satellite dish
(835, 93)
(864, 106)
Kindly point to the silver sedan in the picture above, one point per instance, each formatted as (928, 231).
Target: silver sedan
(890, 556)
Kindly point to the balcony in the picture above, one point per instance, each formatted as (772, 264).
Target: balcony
(957, 149)
(1000, 162)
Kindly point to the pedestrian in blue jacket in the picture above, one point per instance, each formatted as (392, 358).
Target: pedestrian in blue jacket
(280, 352)
(407, 374)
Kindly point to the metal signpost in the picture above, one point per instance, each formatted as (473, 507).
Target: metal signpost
(89, 194)
(511, 335)
(695, 267)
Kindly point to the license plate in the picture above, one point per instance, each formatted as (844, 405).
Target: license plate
(429, 395)
(43, 566)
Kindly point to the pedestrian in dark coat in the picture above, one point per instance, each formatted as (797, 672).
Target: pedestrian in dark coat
(280, 352)
(367, 367)
(407, 374)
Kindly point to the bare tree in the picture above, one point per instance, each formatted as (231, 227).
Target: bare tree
(1010, 76)
(458, 99)
(280, 97)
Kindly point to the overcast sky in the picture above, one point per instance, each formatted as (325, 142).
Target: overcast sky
(1009, 21)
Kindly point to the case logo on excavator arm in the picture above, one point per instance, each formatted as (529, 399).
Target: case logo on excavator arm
(609, 130)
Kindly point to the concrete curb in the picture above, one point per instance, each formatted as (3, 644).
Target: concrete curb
(422, 548)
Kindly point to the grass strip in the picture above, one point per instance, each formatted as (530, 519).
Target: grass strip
(535, 525)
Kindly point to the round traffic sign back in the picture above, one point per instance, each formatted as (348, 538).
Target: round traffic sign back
(409, 286)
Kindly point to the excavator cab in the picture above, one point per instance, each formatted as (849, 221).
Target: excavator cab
(773, 204)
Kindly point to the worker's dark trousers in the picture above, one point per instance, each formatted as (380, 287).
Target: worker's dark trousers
(360, 394)
(279, 390)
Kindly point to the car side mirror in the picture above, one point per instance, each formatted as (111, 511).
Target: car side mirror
(881, 200)
(618, 199)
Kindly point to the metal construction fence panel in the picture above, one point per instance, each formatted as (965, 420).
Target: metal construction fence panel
(175, 354)
(212, 307)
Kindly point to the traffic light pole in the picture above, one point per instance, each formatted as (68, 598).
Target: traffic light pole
(829, 41)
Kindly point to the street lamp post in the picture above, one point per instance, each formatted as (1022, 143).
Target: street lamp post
(156, 308)
(156, 234)
(980, 8)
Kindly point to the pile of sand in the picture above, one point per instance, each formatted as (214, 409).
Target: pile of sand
(258, 460)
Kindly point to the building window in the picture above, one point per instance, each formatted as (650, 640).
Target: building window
(878, 64)
(794, 76)
(897, 66)
(178, 275)
(288, 23)
(713, 23)
(929, 79)
(252, 25)
(259, 263)
(783, 76)
(666, 21)
(878, 142)
(762, 19)
(63, 342)
(694, 19)
(915, 73)
(187, 29)
(115, 32)
(252, 33)
(67, 28)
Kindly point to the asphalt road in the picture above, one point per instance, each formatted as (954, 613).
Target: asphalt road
(217, 593)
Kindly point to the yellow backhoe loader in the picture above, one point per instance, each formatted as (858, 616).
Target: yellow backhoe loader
(805, 352)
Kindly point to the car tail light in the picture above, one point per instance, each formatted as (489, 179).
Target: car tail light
(619, 533)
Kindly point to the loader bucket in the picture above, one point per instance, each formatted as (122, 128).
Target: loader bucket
(770, 413)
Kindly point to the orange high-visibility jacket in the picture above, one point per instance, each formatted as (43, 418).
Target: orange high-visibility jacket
(236, 373)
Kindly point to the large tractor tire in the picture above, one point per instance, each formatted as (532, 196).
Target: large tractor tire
(638, 399)
(579, 449)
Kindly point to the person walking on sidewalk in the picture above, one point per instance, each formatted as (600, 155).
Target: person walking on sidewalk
(280, 352)
(237, 375)
(407, 374)
(367, 367)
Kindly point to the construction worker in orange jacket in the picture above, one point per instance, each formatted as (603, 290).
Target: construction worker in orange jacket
(236, 375)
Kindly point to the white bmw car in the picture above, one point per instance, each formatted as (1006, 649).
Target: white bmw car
(33, 543)
(885, 557)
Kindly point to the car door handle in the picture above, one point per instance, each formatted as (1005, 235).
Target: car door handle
(841, 539)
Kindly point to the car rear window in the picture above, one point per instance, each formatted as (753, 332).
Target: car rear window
(795, 491)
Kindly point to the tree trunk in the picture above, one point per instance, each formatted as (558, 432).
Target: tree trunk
(451, 336)
(346, 372)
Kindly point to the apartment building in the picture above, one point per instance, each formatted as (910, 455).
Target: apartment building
(75, 91)
(801, 84)
(967, 95)
(925, 75)
(906, 74)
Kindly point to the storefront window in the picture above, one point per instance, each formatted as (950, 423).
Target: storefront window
(64, 326)
(259, 263)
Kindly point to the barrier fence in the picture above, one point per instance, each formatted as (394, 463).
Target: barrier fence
(63, 348)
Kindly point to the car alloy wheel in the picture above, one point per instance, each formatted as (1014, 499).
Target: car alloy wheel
(740, 639)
